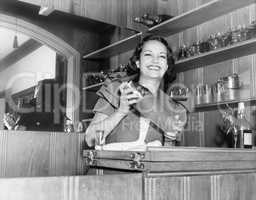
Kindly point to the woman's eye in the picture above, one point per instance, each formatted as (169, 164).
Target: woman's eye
(164, 57)
(147, 54)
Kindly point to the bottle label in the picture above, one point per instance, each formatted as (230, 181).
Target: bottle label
(247, 138)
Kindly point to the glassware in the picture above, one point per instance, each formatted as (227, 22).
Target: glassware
(251, 30)
(199, 94)
(68, 125)
(197, 47)
(157, 19)
(218, 40)
(236, 35)
(100, 141)
(226, 38)
(204, 46)
(212, 42)
(218, 90)
(207, 94)
(79, 127)
(182, 52)
(244, 33)
(144, 21)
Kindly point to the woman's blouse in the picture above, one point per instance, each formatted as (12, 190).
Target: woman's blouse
(160, 110)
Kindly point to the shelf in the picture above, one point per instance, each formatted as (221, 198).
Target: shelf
(230, 97)
(198, 15)
(208, 11)
(237, 50)
(115, 48)
(213, 106)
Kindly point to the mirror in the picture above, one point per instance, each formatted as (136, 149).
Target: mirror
(32, 77)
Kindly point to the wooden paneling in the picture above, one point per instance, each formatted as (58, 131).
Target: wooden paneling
(210, 187)
(116, 187)
(111, 11)
(116, 12)
(164, 188)
(240, 186)
(28, 153)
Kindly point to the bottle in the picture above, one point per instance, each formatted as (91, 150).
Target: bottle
(157, 19)
(152, 20)
(144, 21)
(244, 128)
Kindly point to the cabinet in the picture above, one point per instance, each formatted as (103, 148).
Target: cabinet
(191, 18)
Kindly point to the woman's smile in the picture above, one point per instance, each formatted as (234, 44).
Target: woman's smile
(154, 67)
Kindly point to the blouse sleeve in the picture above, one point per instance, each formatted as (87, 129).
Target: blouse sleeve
(103, 106)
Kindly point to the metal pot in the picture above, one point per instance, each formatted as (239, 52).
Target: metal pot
(232, 81)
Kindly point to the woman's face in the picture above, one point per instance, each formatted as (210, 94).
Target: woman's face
(153, 60)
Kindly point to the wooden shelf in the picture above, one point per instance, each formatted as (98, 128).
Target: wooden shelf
(198, 15)
(208, 11)
(237, 50)
(213, 106)
(115, 48)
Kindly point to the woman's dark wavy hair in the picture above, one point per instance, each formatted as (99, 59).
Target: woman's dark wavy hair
(170, 74)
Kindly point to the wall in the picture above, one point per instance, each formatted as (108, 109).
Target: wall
(39, 65)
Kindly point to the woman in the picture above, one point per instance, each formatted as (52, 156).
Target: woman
(138, 112)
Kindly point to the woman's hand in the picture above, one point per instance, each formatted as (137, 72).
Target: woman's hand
(129, 96)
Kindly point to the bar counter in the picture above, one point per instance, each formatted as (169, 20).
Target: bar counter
(185, 173)
(50, 165)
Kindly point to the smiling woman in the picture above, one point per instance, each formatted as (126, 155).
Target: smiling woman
(128, 118)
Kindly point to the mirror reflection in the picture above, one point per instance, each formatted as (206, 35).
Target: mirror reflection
(32, 78)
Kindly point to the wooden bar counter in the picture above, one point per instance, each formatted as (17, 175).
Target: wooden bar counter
(187, 173)
(50, 165)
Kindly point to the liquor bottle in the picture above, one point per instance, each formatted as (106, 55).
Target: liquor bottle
(157, 19)
(152, 20)
(244, 128)
(144, 21)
